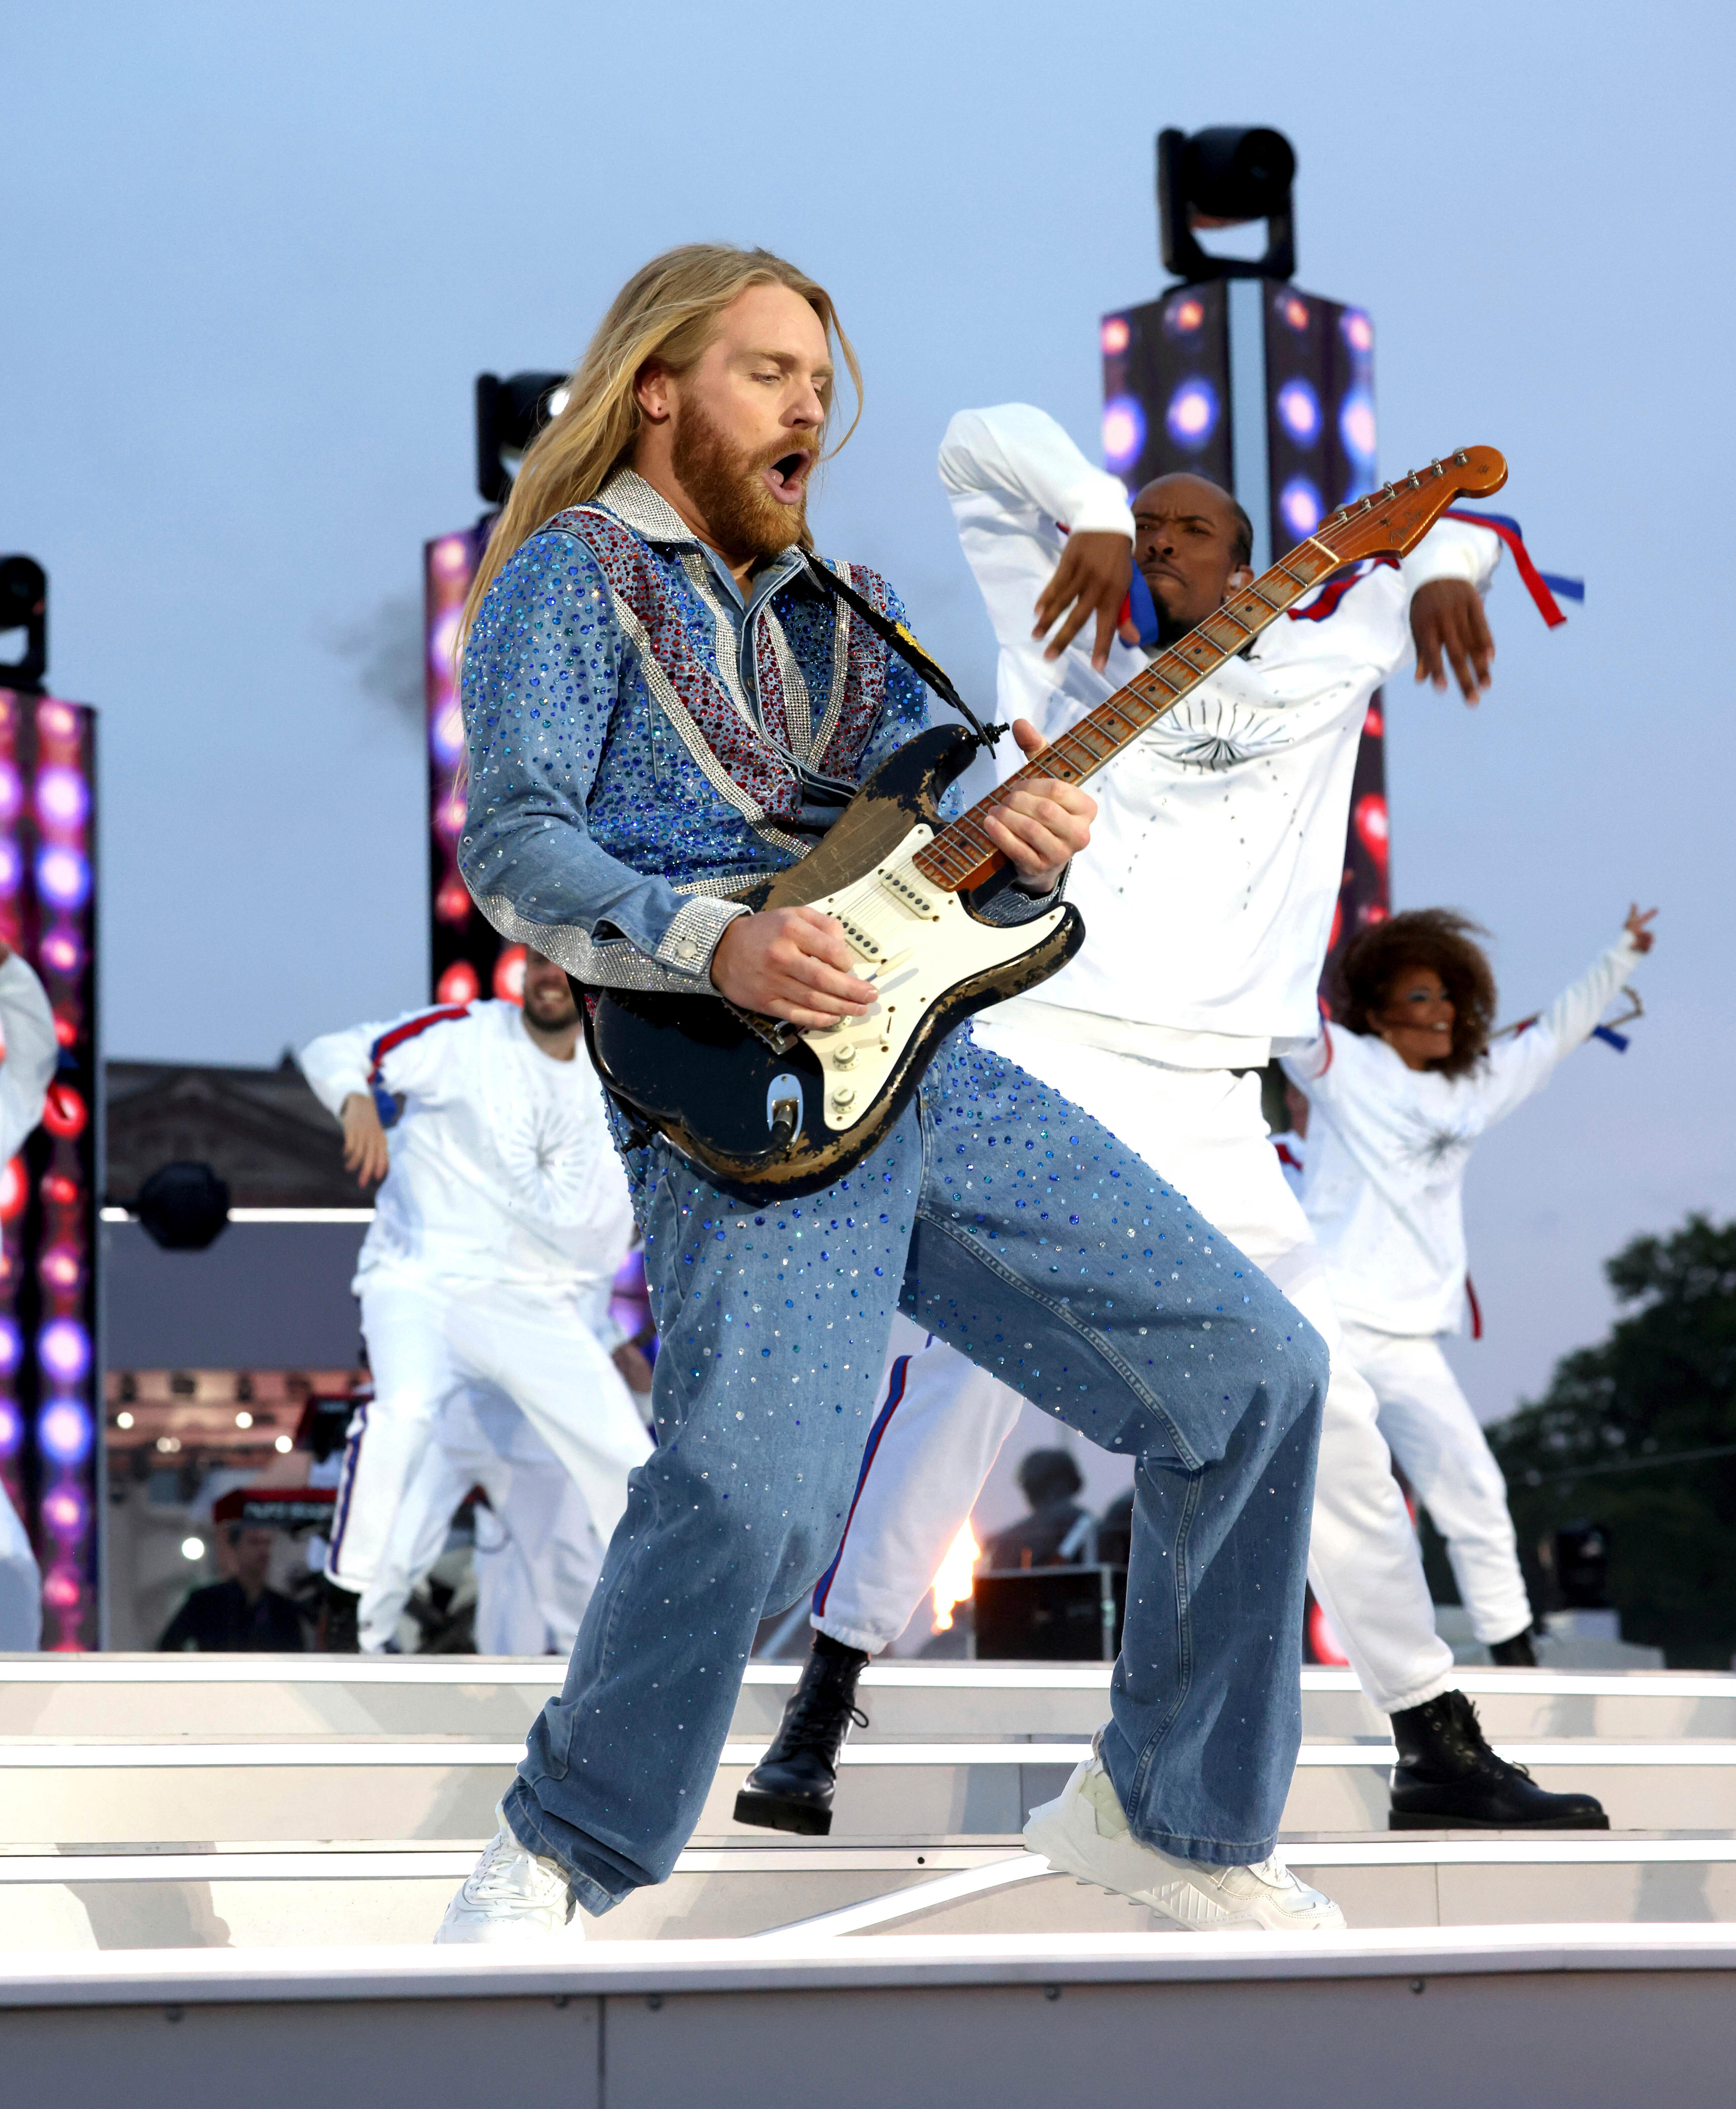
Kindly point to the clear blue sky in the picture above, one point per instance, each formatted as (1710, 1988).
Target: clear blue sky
(255, 256)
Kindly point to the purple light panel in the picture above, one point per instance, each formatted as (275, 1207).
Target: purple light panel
(466, 955)
(48, 1376)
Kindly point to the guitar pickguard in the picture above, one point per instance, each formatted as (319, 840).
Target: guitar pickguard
(914, 941)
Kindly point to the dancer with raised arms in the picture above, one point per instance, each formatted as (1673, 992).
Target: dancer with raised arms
(1209, 900)
(1402, 1086)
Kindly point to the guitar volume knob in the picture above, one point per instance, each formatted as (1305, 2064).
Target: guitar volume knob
(844, 1055)
(843, 1096)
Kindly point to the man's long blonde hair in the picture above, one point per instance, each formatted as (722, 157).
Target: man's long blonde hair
(668, 312)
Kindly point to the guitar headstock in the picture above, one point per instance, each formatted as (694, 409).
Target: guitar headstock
(1391, 521)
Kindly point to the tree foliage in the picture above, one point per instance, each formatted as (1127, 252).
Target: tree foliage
(1607, 1442)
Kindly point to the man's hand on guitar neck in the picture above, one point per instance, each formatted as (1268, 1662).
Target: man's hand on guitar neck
(1046, 824)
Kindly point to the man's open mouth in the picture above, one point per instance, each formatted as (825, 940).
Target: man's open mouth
(787, 475)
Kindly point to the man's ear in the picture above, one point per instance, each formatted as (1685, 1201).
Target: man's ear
(1242, 575)
(652, 390)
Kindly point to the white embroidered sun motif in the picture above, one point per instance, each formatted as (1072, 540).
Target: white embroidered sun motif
(549, 1153)
(1213, 733)
(1437, 1146)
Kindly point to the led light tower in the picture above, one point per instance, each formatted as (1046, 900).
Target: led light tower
(1239, 375)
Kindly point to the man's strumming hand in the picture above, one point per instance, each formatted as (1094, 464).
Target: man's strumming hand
(789, 962)
(1041, 827)
(1447, 621)
(1091, 580)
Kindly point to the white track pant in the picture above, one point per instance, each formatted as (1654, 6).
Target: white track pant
(429, 1347)
(20, 1586)
(537, 1556)
(1427, 1421)
(1203, 1130)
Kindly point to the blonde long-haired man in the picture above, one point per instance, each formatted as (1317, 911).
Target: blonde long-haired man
(664, 703)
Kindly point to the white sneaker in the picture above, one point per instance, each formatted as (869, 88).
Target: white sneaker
(1084, 1832)
(511, 1894)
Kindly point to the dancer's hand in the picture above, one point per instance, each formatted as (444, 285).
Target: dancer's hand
(789, 962)
(1043, 826)
(1637, 927)
(1447, 617)
(1091, 580)
(365, 1152)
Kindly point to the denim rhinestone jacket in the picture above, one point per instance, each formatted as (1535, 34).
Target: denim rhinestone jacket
(643, 742)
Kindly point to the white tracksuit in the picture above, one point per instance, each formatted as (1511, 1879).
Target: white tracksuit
(484, 1277)
(31, 1052)
(1208, 894)
(1387, 1148)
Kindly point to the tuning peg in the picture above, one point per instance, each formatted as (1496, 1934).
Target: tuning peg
(1461, 459)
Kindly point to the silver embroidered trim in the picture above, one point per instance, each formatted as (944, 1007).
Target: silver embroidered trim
(768, 833)
(676, 711)
(704, 582)
(612, 962)
(631, 498)
(798, 712)
(690, 939)
(841, 611)
(723, 888)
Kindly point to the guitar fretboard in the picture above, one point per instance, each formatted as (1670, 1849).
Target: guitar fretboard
(962, 855)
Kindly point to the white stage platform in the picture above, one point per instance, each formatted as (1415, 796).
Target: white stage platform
(1600, 2017)
(263, 1847)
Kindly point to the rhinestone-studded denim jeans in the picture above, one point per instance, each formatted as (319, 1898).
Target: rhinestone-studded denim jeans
(1010, 1223)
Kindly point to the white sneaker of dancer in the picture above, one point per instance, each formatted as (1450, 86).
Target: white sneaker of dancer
(1084, 1832)
(510, 1895)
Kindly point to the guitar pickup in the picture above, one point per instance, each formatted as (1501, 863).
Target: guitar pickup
(859, 939)
(900, 888)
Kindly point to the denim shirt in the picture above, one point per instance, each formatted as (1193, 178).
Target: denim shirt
(644, 740)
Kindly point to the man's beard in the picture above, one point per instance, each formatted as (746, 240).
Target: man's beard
(535, 1013)
(724, 481)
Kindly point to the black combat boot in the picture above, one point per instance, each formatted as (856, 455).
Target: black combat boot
(340, 1630)
(1515, 1654)
(790, 1788)
(1447, 1778)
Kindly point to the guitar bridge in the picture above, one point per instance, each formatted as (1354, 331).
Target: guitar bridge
(778, 1033)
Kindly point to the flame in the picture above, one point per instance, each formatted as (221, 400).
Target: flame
(952, 1582)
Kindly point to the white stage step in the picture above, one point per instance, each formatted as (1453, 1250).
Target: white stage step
(1599, 2016)
(154, 1801)
(361, 1896)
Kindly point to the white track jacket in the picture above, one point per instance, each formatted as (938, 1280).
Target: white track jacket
(27, 1024)
(1215, 865)
(502, 1172)
(1387, 1147)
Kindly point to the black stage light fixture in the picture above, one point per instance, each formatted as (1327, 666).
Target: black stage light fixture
(183, 1206)
(1225, 177)
(24, 605)
(509, 415)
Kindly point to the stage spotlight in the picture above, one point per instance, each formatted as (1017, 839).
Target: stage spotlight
(1299, 504)
(509, 415)
(1225, 177)
(24, 605)
(1299, 412)
(1123, 432)
(1193, 415)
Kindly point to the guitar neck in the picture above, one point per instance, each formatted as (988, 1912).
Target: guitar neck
(962, 855)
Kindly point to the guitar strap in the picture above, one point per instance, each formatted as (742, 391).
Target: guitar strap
(899, 639)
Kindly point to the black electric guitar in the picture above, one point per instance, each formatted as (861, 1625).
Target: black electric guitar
(767, 1111)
